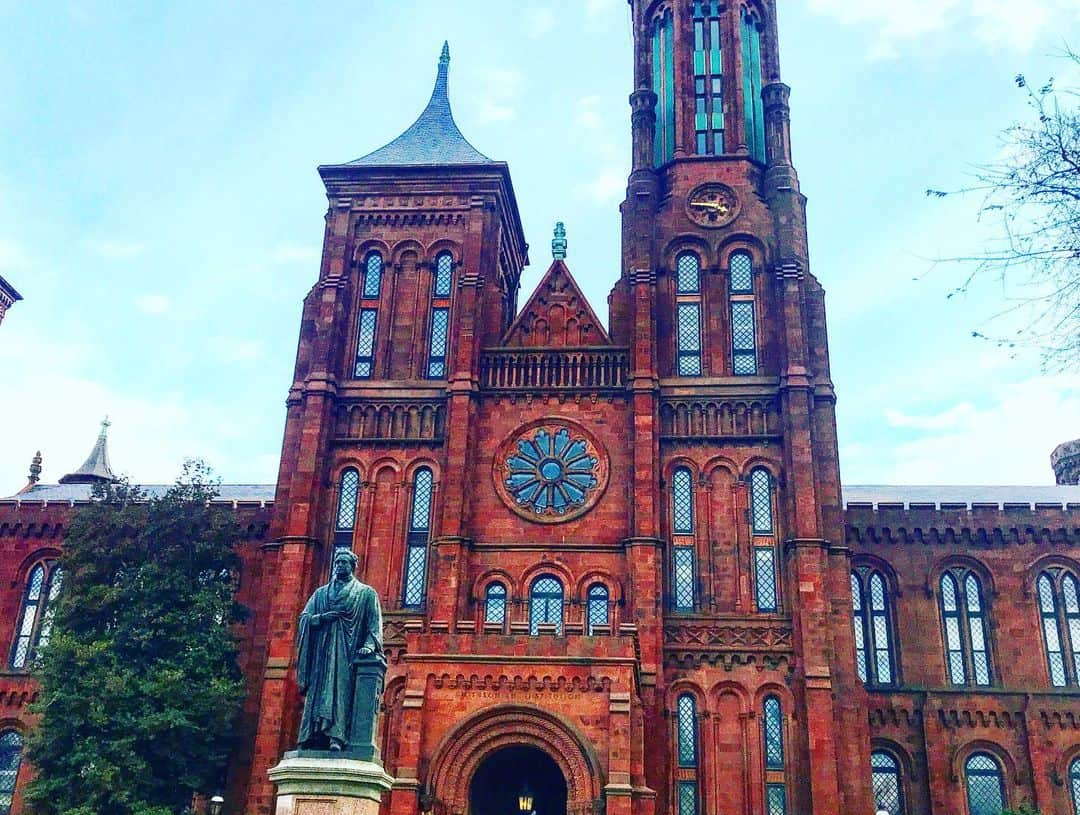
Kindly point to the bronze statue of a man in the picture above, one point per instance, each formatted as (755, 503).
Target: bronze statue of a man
(340, 632)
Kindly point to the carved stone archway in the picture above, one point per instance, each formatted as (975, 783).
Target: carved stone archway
(463, 750)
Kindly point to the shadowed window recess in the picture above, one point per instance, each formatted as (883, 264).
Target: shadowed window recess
(686, 738)
(345, 520)
(872, 624)
(368, 318)
(597, 608)
(663, 67)
(683, 567)
(753, 104)
(10, 761)
(965, 629)
(415, 584)
(688, 314)
(772, 726)
(495, 604)
(763, 527)
(708, 79)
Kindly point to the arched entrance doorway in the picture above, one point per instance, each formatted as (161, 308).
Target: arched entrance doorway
(514, 777)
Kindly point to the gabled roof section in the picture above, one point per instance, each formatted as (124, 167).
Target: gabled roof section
(556, 316)
(433, 139)
(96, 467)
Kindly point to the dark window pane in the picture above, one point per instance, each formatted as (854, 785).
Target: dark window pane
(688, 273)
(687, 798)
(761, 501)
(545, 604)
(687, 732)
(774, 734)
(888, 796)
(444, 274)
(10, 760)
(373, 276)
(596, 611)
(347, 493)
(741, 269)
(682, 498)
(765, 578)
(985, 785)
(775, 799)
(495, 604)
(683, 578)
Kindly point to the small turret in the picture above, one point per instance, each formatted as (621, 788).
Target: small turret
(1066, 463)
(558, 243)
(96, 468)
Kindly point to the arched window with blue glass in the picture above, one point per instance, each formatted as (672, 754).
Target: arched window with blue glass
(772, 726)
(984, 783)
(872, 623)
(965, 628)
(10, 761)
(708, 79)
(439, 334)
(683, 567)
(597, 607)
(688, 314)
(887, 783)
(1074, 785)
(687, 745)
(416, 544)
(763, 528)
(495, 604)
(368, 317)
(663, 71)
(42, 588)
(1058, 593)
(345, 519)
(753, 103)
(546, 604)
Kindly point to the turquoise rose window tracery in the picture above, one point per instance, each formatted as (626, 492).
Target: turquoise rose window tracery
(551, 472)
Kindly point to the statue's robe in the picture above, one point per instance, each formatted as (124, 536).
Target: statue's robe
(326, 653)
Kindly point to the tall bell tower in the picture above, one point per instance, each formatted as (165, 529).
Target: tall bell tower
(733, 401)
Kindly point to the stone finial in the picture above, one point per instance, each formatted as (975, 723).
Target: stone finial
(559, 244)
(35, 468)
(444, 59)
(1066, 463)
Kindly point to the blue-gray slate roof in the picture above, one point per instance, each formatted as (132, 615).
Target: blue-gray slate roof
(67, 493)
(433, 139)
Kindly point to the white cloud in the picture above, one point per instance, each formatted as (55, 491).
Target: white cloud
(607, 187)
(994, 23)
(599, 8)
(945, 420)
(588, 116)
(152, 303)
(501, 89)
(115, 250)
(288, 253)
(539, 21)
(233, 349)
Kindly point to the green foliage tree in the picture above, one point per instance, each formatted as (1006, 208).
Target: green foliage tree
(1023, 809)
(140, 687)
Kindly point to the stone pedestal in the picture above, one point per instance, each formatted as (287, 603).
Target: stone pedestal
(328, 785)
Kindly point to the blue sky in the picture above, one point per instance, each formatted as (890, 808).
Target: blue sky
(161, 213)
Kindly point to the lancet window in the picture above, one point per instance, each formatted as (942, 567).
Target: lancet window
(545, 604)
(872, 624)
(10, 760)
(495, 604)
(683, 567)
(663, 57)
(763, 527)
(345, 520)
(966, 633)
(686, 736)
(886, 779)
(439, 339)
(708, 78)
(744, 356)
(416, 548)
(367, 321)
(753, 104)
(772, 724)
(1059, 609)
(985, 785)
(1074, 785)
(597, 608)
(35, 617)
(688, 313)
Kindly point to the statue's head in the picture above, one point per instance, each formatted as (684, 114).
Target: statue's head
(344, 563)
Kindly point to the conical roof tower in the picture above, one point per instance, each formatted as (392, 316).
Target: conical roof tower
(96, 468)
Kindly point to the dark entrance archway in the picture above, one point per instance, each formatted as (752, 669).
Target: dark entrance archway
(501, 777)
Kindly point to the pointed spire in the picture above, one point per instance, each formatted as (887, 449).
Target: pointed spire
(558, 243)
(434, 138)
(96, 467)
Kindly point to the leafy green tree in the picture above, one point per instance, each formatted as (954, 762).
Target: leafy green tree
(1023, 809)
(140, 687)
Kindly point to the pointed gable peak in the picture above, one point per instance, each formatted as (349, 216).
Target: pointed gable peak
(434, 138)
(96, 467)
(557, 314)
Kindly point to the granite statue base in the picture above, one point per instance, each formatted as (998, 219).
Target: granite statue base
(311, 782)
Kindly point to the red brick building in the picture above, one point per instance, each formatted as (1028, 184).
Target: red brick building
(618, 567)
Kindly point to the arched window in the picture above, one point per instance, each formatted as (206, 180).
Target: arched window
(35, 619)
(686, 734)
(870, 606)
(708, 79)
(1074, 785)
(596, 611)
(495, 604)
(1059, 608)
(744, 361)
(885, 776)
(688, 313)
(985, 785)
(772, 725)
(440, 316)
(415, 589)
(10, 759)
(545, 604)
(964, 618)
(763, 526)
(683, 570)
(368, 318)
(752, 101)
(663, 55)
(345, 521)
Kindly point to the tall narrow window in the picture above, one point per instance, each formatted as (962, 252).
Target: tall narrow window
(596, 609)
(545, 604)
(964, 618)
(744, 357)
(35, 618)
(708, 78)
(345, 522)
(368, 318)
(683, 579)
(686, 734)
(663, 43)
(885, 776)
(10, 759)
(1059, 608)
(1074, 785)
(752, 100)
(415, 589)
(873, 629)
(440, 316)
(772, 724)
(762, 526)
(495, 604)
(985, 785)
(688, 313)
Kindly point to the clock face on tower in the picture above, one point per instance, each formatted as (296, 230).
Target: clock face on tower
(712, 205)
